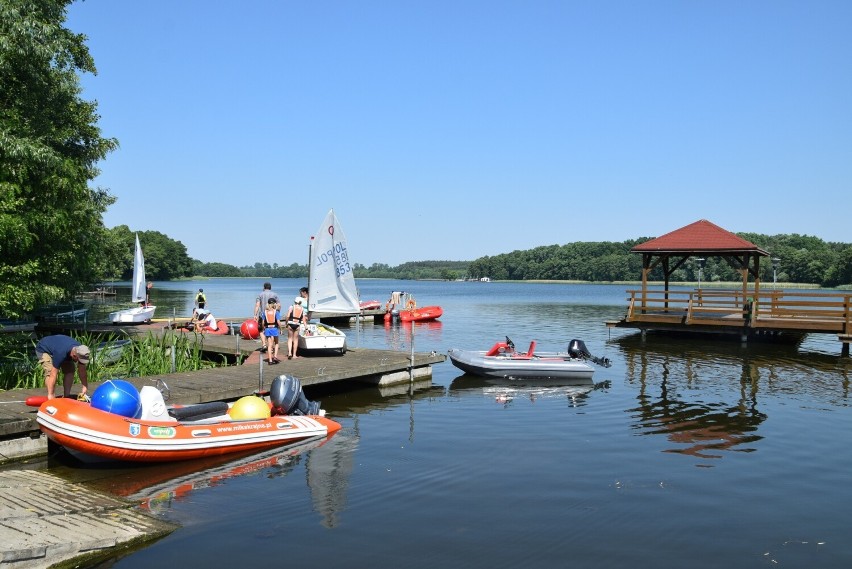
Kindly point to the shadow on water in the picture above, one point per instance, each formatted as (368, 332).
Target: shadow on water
(676, 378)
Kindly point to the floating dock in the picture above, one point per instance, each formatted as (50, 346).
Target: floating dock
(773, 315)
(20, 434)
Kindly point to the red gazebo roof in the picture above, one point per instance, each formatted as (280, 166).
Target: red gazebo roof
(699, 237)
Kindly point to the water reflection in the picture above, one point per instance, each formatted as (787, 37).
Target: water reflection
(669, 373)
(329, 469)
(708, 364)
(505, 391)
(160, 487)
(700, 430)
(401, 336)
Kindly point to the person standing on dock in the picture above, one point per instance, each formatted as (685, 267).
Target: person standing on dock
(260, 304)
(200, 300)
(303, 292)
(271, 317)
(63, 352)
(296, 317)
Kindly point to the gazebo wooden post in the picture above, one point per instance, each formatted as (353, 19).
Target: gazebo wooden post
(756, 283)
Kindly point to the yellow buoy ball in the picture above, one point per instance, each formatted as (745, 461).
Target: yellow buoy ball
(250, 407)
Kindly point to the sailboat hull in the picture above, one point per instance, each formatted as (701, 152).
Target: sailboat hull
(132, 315)
(321, 336)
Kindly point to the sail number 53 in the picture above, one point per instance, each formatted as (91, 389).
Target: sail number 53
(338, 256)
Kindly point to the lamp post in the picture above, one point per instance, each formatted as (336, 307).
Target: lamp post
(700, 261)
(775, 261)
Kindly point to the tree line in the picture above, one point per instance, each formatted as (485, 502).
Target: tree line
(799, 258)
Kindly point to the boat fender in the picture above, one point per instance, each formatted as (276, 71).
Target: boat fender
(250, 407)
(249, 330)
(200, 411)
(119, 397)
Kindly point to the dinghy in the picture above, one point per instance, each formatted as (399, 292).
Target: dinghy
(331, 287)
(503, 361)
(126, 425)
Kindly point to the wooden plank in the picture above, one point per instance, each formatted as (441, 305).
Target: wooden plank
(722, 312)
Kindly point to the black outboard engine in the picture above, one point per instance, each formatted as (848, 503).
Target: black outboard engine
(288, 398)
(578, 349)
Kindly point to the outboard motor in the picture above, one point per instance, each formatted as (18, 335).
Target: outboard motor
(288, 398)
(578, 349)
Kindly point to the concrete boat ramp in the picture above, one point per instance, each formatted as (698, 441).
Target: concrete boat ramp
(46, 521)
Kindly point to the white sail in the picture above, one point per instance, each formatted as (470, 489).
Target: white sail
(139, 282)
(331, 285)
(144, 312)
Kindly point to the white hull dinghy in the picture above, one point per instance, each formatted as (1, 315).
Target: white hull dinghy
(503, 361)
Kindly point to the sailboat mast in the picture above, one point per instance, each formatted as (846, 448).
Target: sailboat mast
(310, 262)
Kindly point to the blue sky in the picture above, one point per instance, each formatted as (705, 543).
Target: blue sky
(449, 130)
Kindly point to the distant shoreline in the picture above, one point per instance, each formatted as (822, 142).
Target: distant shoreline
(704, 284)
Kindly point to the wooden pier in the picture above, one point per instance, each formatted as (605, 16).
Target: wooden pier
(19, 430)
(767, 314)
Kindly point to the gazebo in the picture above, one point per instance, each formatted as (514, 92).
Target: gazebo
(704, 239)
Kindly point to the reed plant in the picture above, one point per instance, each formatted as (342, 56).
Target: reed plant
(17, 366)
(145, 356)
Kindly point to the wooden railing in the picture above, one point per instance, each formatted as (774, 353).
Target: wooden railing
(808, 311)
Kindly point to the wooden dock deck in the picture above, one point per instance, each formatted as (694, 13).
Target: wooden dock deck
(773, 313)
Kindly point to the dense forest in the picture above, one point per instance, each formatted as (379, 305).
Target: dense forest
(800, 259)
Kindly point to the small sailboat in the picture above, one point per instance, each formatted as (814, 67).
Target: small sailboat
(144, 312)
(331, 287)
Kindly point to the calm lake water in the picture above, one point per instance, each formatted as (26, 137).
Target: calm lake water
(686, 453)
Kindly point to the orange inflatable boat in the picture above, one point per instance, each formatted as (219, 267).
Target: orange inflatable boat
(158, 433)
(422, 314)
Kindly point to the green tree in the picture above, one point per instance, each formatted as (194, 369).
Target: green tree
(50, 219)
(165, 258)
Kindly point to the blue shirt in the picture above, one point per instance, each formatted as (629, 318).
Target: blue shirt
(58, 346)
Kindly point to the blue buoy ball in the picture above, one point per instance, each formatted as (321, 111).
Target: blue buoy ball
(119, 397)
